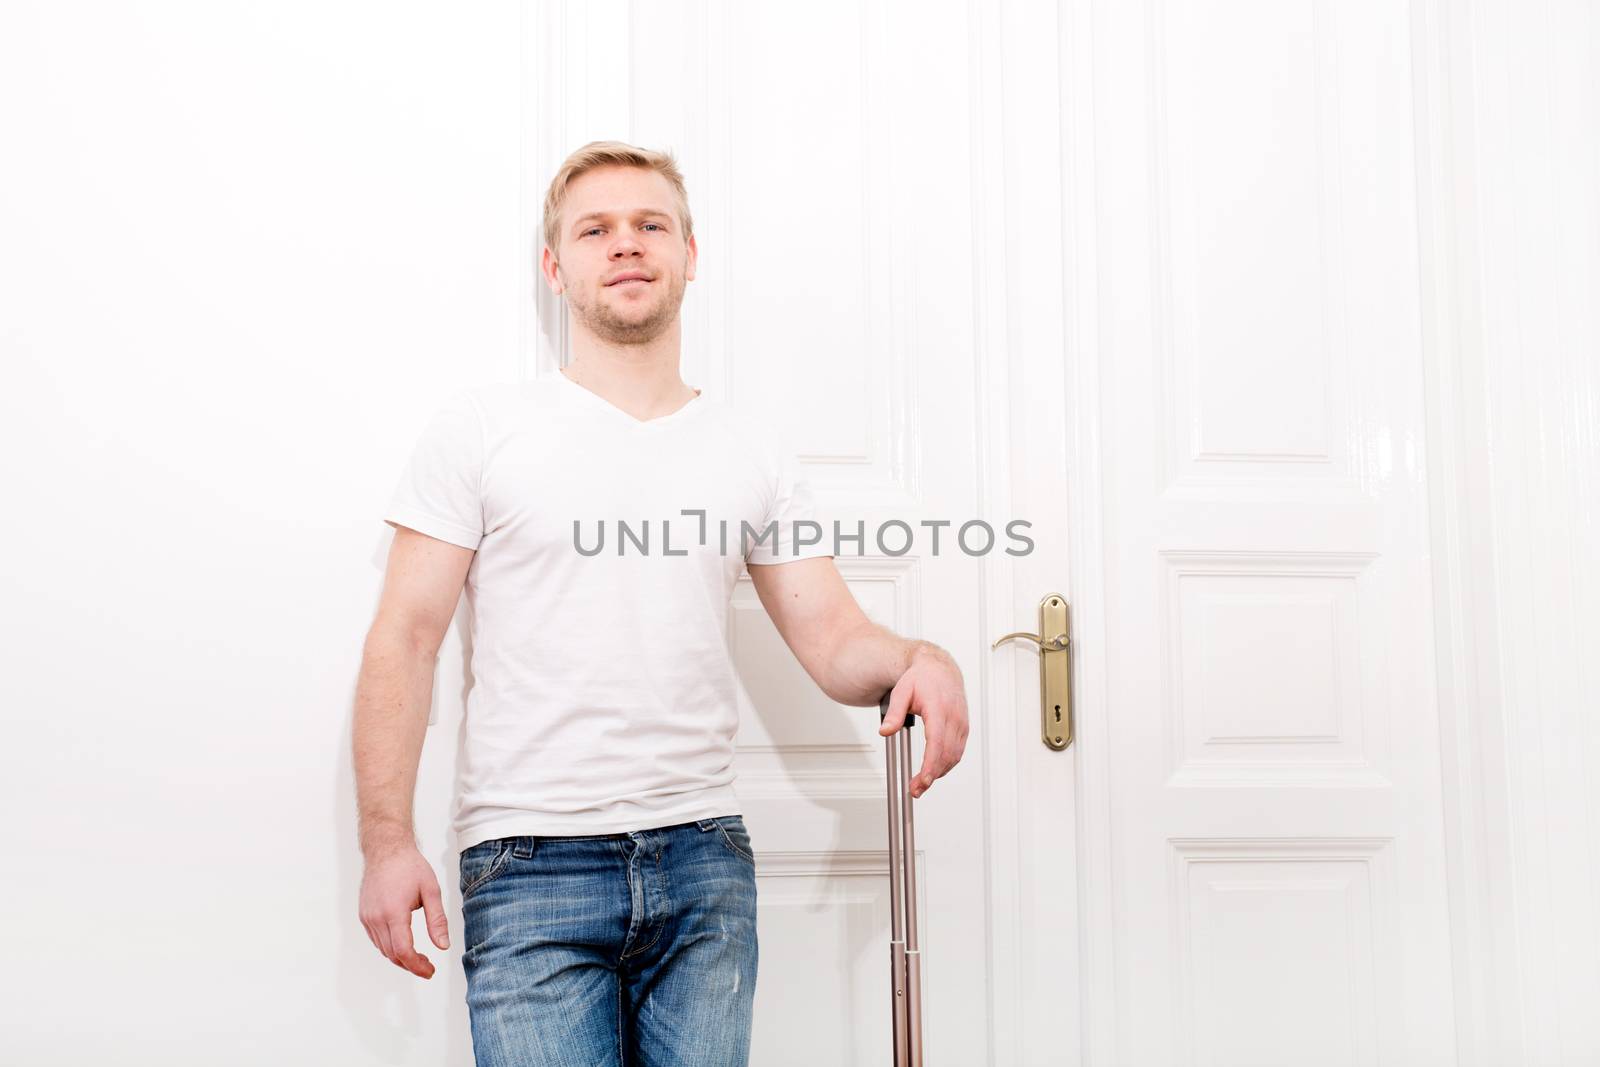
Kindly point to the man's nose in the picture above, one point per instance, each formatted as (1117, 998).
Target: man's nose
(626, 245)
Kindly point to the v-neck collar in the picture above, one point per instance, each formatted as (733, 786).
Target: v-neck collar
(585, 395)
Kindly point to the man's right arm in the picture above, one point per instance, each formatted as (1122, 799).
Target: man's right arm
(422, 585)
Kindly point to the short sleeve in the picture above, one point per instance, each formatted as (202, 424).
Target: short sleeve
(791, 517)
(438, 492)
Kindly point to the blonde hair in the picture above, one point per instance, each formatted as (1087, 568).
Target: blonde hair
(610, 153)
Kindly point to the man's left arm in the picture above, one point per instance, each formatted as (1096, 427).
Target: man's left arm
(854, 660)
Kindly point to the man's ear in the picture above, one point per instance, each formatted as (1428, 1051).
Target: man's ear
(550, 269)
(694, 254)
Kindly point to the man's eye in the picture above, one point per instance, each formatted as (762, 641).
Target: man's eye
(592, 229)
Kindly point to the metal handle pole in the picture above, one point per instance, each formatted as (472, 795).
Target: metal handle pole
(905, 958)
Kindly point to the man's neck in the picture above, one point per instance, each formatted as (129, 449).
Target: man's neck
(642, 380)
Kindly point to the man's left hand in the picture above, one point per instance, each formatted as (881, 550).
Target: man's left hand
(933, 690)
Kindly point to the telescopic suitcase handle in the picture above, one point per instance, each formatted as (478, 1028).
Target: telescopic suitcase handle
(905, 958)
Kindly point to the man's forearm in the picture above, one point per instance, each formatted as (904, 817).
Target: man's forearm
(867, 661)
(393, 695)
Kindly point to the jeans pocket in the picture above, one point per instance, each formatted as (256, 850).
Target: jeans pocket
(736, 837)
(482, 862)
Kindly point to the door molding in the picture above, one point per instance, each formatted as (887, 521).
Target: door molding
(1504, 134)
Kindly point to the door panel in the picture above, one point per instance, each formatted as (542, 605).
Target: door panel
(1274, 803)
(829, 179)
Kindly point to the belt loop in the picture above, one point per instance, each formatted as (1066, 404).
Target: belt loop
(522, 847)
(706, 824)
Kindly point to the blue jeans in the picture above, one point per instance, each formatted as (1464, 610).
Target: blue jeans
(615, 950)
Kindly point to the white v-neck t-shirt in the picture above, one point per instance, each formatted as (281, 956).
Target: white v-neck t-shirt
(603, 698)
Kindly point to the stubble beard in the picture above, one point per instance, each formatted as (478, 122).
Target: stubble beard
(602, 320)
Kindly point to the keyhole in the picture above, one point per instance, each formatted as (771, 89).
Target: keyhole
(1058, 713)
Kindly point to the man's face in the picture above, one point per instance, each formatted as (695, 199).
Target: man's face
(617, 222)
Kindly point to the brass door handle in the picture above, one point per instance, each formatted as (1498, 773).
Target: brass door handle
(1058, 641)
(1055, 675)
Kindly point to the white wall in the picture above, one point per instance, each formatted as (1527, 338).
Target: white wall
(243, 250)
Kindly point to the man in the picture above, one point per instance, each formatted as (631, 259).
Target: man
(607, 879)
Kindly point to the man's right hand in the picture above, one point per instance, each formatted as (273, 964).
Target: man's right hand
(397, 882)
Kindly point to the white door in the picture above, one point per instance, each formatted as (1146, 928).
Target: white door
(1143, 276)
(1259, 850)
(829, 172)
